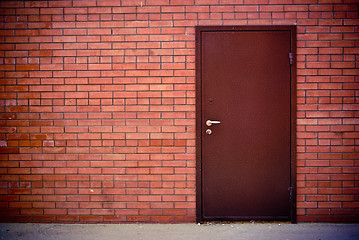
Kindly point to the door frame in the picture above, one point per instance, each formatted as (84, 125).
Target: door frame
(200, 118)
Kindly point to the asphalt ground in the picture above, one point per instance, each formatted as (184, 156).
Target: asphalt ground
(245, 231)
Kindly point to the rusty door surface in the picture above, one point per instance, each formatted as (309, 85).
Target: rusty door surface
(245, 170)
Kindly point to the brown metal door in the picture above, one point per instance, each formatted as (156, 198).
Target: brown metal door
(245, 159)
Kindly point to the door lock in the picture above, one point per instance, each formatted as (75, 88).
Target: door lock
(209, 131)
(210, 122)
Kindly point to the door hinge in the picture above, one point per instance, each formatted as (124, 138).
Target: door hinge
(290, 189)
(290, 58)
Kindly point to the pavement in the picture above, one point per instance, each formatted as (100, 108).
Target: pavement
(208, 231)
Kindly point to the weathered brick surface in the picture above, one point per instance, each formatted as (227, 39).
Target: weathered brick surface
(97, 106)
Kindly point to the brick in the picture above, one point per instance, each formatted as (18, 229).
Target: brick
(99, 32)
(60, 4)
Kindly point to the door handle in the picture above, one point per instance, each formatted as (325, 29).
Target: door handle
(210, 122)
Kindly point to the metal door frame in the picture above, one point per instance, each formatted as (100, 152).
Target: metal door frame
(200, 117)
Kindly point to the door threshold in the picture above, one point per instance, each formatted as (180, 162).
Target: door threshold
(243, 222)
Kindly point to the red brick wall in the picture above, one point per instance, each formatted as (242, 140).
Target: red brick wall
(98, 116)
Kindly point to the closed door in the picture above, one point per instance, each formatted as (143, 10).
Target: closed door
(245, 123)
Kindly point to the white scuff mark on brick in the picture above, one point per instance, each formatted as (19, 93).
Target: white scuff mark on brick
(3, 143)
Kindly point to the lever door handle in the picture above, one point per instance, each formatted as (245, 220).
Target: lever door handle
(210, 122)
